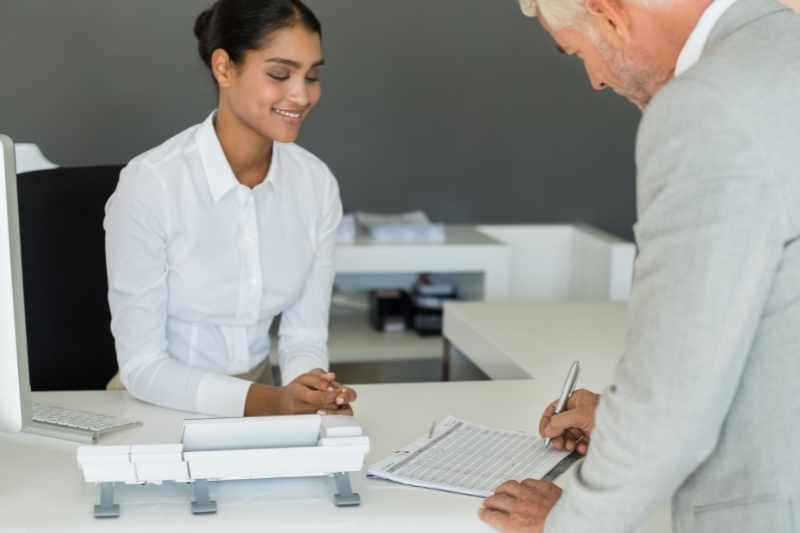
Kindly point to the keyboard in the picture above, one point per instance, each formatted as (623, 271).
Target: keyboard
(93, 423)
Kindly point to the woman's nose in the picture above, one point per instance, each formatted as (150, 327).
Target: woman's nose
(298, 93)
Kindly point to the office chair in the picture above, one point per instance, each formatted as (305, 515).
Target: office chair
(70, 346)
(30, 158)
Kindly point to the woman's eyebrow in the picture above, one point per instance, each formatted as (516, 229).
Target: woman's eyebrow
(291, 63)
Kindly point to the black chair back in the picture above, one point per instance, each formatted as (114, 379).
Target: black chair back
(70, 346)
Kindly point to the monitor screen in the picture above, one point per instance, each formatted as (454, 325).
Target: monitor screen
(15, 402)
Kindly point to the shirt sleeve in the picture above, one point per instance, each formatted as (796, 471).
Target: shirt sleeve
(304, 326)
(136, 225)
(711, 232)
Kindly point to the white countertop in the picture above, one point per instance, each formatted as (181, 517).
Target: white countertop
(40, 473)
(540, 340)
(42, 488)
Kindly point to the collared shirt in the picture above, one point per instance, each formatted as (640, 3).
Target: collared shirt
(199, 266)
(693, 49)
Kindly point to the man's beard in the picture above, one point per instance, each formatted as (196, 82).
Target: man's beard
(639, 82)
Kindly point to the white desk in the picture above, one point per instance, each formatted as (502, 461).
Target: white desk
(540, 340)
(513, 341)
(41, 486)
(40, 473)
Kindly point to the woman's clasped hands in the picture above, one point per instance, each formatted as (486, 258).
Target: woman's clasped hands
(315, 392)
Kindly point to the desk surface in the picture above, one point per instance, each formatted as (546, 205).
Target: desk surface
(540, 340)
(41, 486)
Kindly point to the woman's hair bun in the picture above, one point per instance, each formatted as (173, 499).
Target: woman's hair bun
(238, 26)
(202, 28)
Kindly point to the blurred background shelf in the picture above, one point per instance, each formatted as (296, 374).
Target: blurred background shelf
(518, 263)
(353, 340)
(360, 354)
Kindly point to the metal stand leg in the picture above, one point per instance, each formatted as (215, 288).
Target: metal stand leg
(202, 504)
(107, 507)
(446, 356)
(344, 497)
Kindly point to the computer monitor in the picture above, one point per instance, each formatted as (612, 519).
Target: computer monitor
(15, 387)
(17, 413)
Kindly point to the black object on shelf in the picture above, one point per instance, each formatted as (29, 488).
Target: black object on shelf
(428, 297)
(390, 310)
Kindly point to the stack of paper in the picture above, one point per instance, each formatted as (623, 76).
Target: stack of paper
(346, 233)
(414, 227)
(468, 459)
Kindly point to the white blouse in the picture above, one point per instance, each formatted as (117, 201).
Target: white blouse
(199, 266)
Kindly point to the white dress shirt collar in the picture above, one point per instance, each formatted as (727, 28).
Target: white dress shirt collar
(694, 46)
(221, 178)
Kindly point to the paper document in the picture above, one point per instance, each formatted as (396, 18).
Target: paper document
(414, 227)
(468, 459)
(348, 230)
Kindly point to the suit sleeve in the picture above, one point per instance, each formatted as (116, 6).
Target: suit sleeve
(711, 231)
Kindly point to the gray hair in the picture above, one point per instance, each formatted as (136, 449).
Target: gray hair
(559, 13)
(563, 13)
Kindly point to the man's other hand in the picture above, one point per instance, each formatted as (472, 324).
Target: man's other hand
(520, 507)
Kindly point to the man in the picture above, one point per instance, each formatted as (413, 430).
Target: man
(705, 408)
(794, 4)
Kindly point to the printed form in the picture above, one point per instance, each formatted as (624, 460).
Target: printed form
(468, 459)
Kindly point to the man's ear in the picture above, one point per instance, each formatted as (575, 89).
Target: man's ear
(612, 20)
(222, 68)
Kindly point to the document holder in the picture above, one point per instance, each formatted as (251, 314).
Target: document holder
(231, 449)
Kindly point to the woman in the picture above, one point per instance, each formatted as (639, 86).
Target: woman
(228, 224)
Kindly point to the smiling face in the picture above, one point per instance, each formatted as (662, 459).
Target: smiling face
(613, 58)
(273, 89)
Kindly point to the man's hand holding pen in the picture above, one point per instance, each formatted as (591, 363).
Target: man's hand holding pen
(571, 430)
(566, 424)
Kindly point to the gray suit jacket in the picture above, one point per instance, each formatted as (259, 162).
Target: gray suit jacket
(706, 405)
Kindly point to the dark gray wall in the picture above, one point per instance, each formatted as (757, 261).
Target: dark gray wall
(462, 108)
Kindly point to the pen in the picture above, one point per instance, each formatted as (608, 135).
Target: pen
(432, 431)
(566, 392)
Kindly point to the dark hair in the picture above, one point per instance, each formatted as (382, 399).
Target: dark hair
(237, 26)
